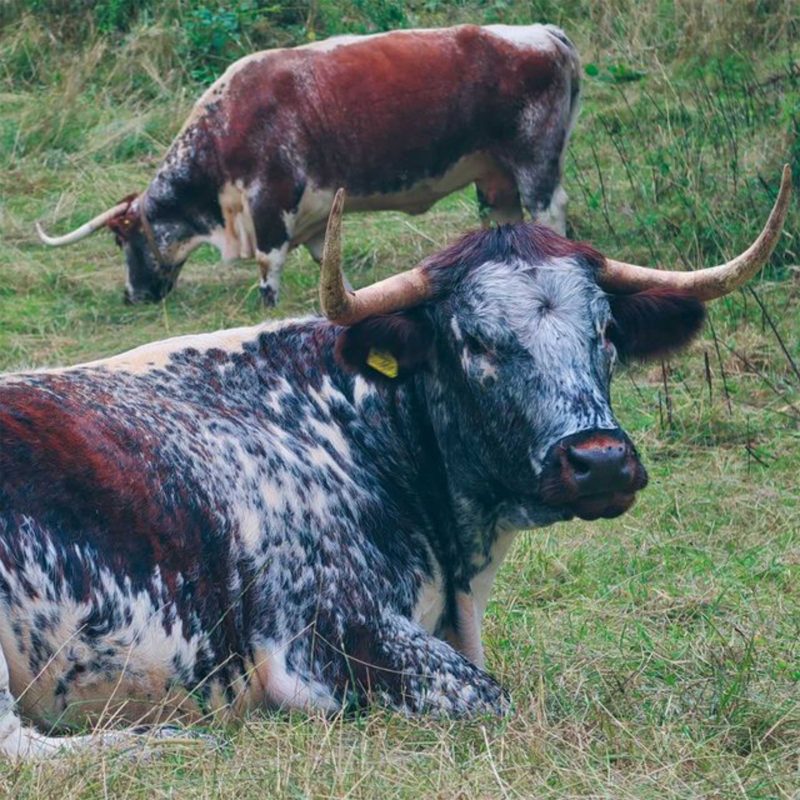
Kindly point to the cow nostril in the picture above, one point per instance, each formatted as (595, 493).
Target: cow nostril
(580, 462)
(599, 469)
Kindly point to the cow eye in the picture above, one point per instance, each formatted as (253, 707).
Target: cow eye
(474, 345)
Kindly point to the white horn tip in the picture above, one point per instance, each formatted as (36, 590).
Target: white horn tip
(42, 235)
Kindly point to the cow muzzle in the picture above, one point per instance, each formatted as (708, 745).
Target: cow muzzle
(592, 474)
(153, 294)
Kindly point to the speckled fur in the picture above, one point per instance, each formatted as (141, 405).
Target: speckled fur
(237, 520)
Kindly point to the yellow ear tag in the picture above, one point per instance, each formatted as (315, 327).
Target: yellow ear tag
(383, 361)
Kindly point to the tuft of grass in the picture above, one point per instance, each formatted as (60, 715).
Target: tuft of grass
(652, 656)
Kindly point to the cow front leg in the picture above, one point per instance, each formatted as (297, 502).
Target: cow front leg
(273, 213)
(400, 665)
(270, 267)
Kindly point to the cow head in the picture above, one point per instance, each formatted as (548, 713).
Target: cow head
(514, 333)
(156, 240)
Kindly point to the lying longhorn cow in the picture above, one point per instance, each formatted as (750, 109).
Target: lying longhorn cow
(310, 513)
(399, 119)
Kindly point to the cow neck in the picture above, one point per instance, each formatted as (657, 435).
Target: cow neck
(147, 230)
(461, 508)
(480, 504)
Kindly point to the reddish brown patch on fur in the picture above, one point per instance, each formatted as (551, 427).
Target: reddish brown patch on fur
(90, 478)
(529, 243)
(654, 323)
(70, 469)
(93, 482)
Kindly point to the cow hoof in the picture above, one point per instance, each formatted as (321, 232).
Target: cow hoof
(269, 297)
(151, 741)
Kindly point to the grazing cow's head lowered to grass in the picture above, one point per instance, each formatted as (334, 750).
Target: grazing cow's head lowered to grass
(311, 513)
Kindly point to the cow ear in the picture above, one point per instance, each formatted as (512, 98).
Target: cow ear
(653, 323)
(389, 347)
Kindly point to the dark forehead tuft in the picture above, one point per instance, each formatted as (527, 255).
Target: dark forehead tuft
(527, 242)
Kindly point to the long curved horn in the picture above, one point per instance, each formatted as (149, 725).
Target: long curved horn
(86, 229)
(347, 307)
(711, 282)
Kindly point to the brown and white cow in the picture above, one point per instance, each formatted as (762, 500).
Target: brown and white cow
(399, 119)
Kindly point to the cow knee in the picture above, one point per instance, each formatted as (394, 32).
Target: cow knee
(476, 695)
(411, 671)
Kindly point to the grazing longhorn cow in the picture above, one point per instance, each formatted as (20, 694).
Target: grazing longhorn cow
(310, 513)
(399, 119)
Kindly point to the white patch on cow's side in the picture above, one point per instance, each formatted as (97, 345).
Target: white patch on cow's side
(315, 203)
(424, 193)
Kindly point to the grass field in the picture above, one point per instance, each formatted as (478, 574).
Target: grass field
(656, 655)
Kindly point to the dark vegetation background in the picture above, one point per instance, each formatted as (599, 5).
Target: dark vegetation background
(654, 656)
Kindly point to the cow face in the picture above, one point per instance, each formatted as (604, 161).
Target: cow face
(516, 355)
(147, 280)
(156, 245)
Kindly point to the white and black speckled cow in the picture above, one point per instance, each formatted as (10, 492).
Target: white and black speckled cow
(400, 119)
(307, 514)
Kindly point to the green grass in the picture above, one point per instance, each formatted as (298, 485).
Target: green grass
(657, 655)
